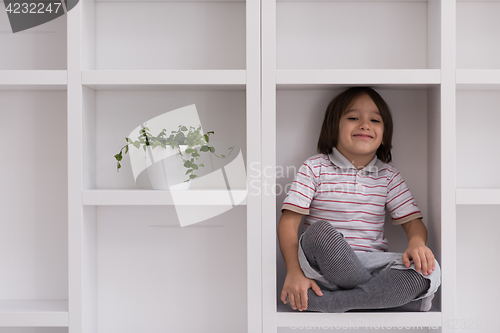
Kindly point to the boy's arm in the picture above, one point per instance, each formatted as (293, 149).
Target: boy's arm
(417, 250)
(296, 283)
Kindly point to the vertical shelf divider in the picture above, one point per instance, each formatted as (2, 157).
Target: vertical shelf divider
(255, 223)
(76, 305)
(448, 163)
(268, 40)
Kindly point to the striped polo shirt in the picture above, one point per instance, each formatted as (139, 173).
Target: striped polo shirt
(355, 202)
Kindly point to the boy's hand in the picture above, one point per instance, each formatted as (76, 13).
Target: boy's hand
(422, 257)
(295, 287)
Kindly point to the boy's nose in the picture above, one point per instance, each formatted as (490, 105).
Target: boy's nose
(365, 124)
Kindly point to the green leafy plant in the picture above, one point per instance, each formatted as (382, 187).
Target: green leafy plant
(183, 136)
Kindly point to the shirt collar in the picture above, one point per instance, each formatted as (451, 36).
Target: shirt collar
(342, 162)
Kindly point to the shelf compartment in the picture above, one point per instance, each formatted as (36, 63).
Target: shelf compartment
(478, 196)
(477, 27)
(361, 35)
(165, 79)
(110, 116)
(474, 311)
(360, 320)
(416, 113)
(477, 116)
(161, 268)
(33, 314)
(34, 205)
(319, 78)
(151, 35)
(196, 197)
(39, 48)
(33, 80)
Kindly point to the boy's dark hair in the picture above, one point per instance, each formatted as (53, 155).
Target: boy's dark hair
(328, 138)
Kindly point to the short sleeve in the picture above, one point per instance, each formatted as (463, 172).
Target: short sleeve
(400, 203)
(302, 190)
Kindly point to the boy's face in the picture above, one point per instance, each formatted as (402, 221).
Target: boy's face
(361, 130)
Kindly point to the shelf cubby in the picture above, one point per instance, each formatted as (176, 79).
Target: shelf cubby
(164, 35)
(474, 261)
(145, 270)
(39, 48)
(477, 150)
(110, 116)
(415, 110)
(34, 257)
(478, 28)
(357, 35)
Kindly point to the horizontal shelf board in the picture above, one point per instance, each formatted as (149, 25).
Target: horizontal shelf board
(354, 0)
(164, 79)
(34, 313)
(33, 80)
(353, 320)
(478, 196)
(478, 79)
(194, 197)
(178, 0)
(417, 77)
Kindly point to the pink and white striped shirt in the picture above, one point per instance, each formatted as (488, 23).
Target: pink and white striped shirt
(330, 188)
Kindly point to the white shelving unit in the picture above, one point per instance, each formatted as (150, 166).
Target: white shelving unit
(88, 250)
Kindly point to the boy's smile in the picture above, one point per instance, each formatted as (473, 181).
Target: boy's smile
(361, 130)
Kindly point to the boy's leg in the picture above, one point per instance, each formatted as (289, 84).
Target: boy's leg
(391, 288)
(328, 252)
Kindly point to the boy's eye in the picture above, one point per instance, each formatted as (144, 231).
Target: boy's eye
(376, 120)
(352, 118)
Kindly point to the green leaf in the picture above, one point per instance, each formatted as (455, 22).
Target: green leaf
(137, 144)
(211, 132)
(192, 176)
(189, 171)
(206, 137)
(189, 151)
(118, 167)
(126, 149)
(195, 154)
(222, 155)
(201, 165)
(188, 164)
(212, 149)
(118, 156)
(204, 148)
(128, 140)
(184, 128)
(146, 129)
